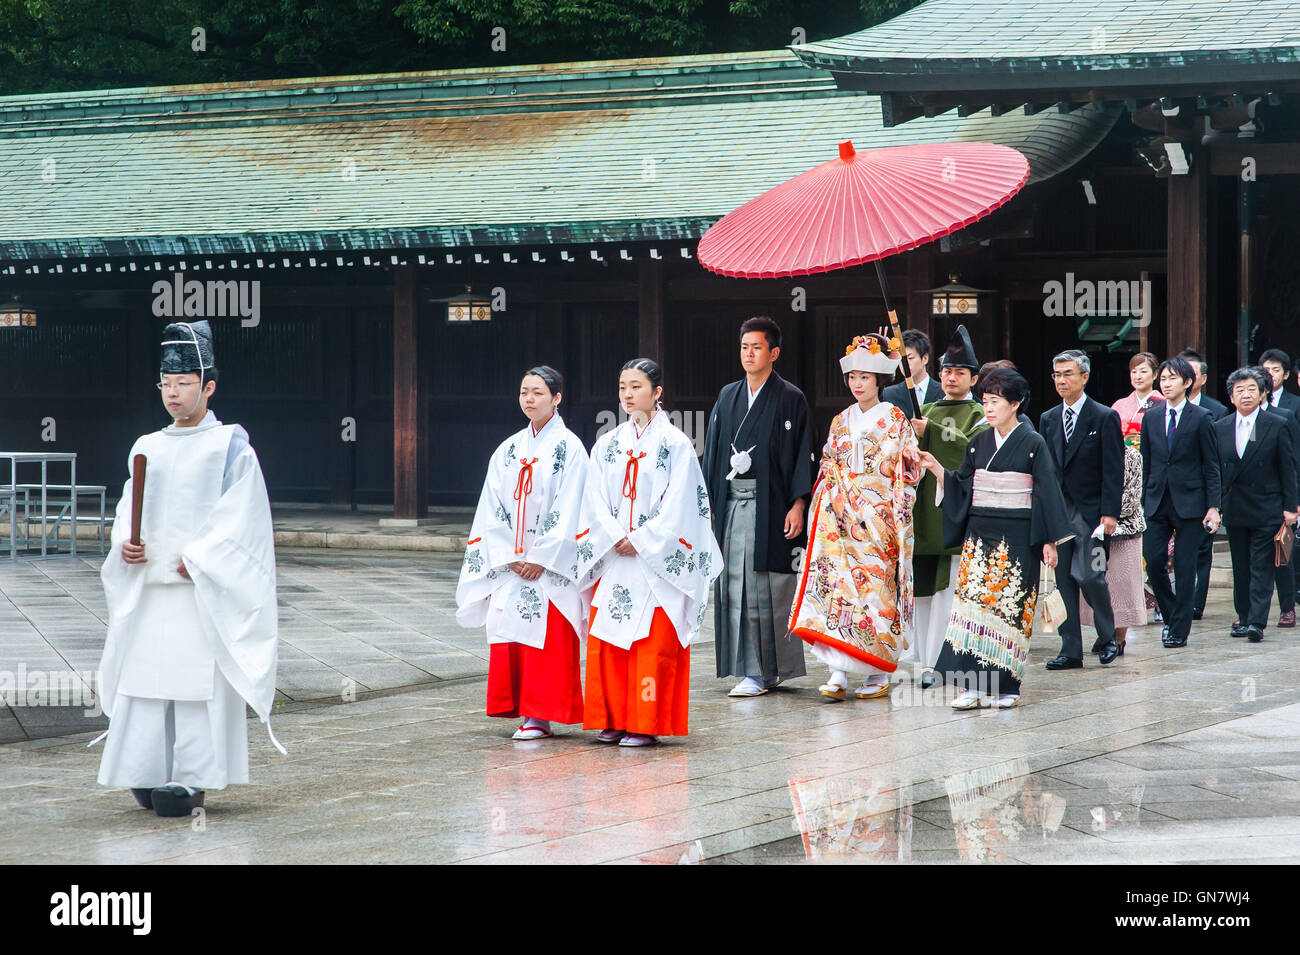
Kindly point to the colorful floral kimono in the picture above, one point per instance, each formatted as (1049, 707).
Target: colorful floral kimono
(997, 808)
(529, 511)
(1003, 505)
(854, 599)
(854, 818)
(645, 485)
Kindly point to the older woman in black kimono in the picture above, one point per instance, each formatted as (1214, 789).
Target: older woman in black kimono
(1004, 507)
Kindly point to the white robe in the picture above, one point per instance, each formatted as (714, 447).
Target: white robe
(537, 527)
(668, 522)
(182, 657)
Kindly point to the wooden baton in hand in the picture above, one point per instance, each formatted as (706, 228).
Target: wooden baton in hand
(137, 496)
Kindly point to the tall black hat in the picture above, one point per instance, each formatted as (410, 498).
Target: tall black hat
(960, 353)
(186, 347)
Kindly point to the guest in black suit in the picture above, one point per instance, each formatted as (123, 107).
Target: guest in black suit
(916, 346)
(1181, 494)
(1259, 495)
(1277, 365)
(1087, 446)
(1217, 410)
(1198, 395)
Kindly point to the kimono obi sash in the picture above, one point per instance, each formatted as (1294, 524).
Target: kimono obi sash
(1007, 490)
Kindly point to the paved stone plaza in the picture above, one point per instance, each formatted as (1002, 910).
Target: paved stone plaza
(1186, 755)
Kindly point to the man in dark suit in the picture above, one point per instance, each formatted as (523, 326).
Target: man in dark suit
(1259, 495)
(1180, 493)
(1277, 365)
(1087, 446)
(1217, 410)
(916, 346)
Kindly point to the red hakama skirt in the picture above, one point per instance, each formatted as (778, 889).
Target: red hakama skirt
(545, 684)
(643, 690)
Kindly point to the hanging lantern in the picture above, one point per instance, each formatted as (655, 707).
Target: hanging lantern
(960, 301)
(468, 307)
(13, 314)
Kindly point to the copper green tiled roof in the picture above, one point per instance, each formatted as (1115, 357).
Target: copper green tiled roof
(1038, 42)
(581, 153)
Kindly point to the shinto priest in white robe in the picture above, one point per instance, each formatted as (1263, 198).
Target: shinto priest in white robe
(182, 657)
(528, 511)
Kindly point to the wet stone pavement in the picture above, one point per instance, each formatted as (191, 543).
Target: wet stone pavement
(1188, 755)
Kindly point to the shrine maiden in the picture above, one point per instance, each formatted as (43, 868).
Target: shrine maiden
(646, 543)
(192, 629)
(519, 577)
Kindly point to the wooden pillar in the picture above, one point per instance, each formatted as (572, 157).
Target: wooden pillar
(650, 309)
(920, 275)
(335, 328)
(1187, 251)
(410, 404)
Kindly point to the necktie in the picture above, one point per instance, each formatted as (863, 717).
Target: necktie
(1173, 423)
(1069, 424)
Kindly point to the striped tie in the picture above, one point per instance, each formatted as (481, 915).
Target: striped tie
(1069, 424)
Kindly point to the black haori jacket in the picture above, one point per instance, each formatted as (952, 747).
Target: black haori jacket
(778, 430)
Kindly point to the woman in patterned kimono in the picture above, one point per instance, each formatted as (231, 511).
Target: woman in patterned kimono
(1005, 508)
(1124, 568)
(519, 576)
(853, 602)
(646, 544)
(1125, 575)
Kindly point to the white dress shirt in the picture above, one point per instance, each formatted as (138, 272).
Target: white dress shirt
(1077, 408)
(920, 389)
(1171, 410)
(1245, 428)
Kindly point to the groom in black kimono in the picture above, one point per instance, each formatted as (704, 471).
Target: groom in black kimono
(759, 468)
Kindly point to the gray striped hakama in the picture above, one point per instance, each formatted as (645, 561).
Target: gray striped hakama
(752, 608)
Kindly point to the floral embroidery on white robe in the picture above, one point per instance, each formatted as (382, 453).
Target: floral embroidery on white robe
(647, 486)
(528, 511)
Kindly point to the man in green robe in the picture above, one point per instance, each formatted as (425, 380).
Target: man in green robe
(944, 429)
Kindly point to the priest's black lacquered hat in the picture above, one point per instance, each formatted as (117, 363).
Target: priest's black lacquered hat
(186, 347)
(960, 353)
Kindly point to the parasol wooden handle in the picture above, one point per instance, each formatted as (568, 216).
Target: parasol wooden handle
(898, 334)
(137, 496)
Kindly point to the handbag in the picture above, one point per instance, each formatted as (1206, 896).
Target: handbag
(1282, 544)
(1053, 603)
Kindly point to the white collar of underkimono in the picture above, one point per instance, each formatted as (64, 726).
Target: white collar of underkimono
(638, 436)
(999, 440)
(861, 421)
(554, 425)
(207, 424)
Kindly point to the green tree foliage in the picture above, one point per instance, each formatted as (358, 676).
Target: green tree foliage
(50, 45)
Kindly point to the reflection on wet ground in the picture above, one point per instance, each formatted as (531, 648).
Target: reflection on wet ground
(1186, 755)
(986, 814)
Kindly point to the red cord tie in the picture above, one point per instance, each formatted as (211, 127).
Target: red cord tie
(523, 487)
(629, 483)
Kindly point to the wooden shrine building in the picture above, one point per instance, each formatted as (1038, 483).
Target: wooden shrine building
(326, 222)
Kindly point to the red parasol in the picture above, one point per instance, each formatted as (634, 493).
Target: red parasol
(862, 207)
